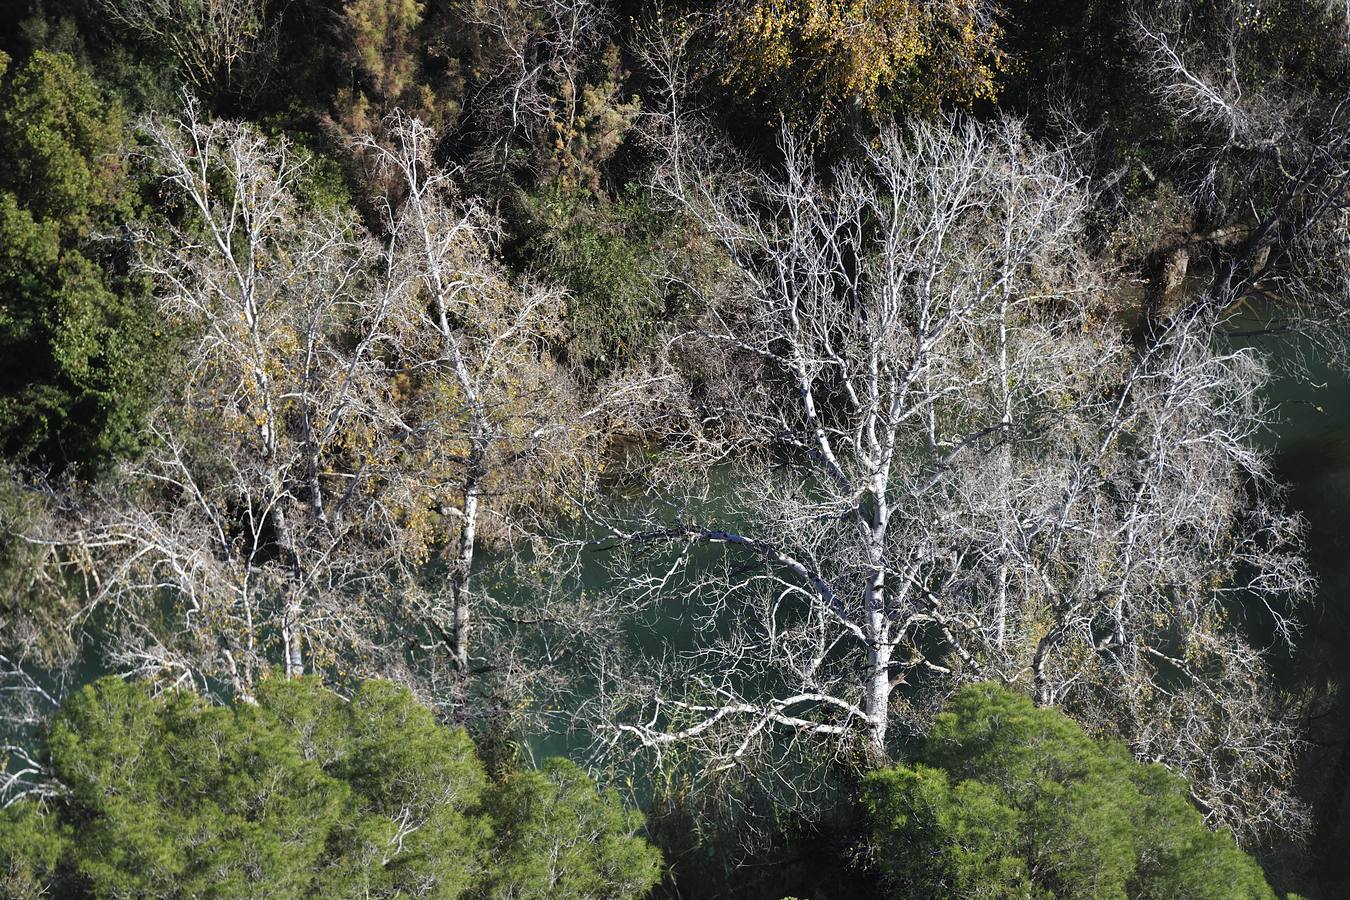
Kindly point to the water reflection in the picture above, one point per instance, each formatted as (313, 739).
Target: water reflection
(1311, 450)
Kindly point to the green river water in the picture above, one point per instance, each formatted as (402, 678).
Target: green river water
(1311, 454)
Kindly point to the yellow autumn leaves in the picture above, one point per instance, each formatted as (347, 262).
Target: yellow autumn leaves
(818, 61)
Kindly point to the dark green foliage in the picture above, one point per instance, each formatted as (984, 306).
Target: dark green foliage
(306, 794)
(322, 184)
(142, 81)
(612, 314)
(557, 838)
(1002, 800)
(1007, 800)
(300, 795)
(735, 840)
(610, 255)
(412, 785)
(75, 335)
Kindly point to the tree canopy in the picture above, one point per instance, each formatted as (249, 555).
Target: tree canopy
(1007, 800)
(306, 793)
(75, 327)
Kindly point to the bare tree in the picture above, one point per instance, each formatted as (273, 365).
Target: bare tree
(516, 418)
(1268, 173)
(346, 415)
(208, 38)
(1267, 183)
(235, 549)
(38, 649)
(664, 53)
(945, 469)
(28, 705)
(547, 86)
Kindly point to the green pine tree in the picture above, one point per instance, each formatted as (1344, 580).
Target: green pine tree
(305, 794)
(1005, 800)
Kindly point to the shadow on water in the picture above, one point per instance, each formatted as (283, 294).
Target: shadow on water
(1311, 456)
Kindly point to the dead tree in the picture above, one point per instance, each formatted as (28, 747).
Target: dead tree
(945, 469)
(1267, 171)
(209, 39)
(346, 417)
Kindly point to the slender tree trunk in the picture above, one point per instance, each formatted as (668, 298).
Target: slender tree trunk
(877, 704)
(292, 645)
(290, 636)
(1004, 461)
(1044, 693)
(877, 690)
(461, 573)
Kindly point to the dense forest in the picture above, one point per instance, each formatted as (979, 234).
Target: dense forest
(608, 449)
